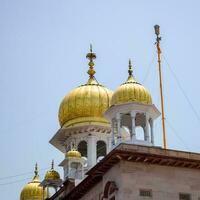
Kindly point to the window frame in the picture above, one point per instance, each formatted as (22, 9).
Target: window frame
(183, 198)
(145, 190)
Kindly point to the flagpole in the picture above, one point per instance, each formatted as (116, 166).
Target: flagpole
(158, 39)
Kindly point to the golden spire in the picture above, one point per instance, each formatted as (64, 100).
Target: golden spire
(36, 170)
(91, 56)
(130, 72)
(36, 177)
(158, 39)
(73, 147)
(52, 164)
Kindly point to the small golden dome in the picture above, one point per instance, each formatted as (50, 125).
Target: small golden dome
(131, 91)
(52, 174)
(87, 103)
(33, 190)
(73, 154)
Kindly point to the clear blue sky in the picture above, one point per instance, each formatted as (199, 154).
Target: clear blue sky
(43, 44)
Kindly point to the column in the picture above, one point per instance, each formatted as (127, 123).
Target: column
(146, 136)
(82, 171)
(133, 133)
(113, 133)
(66, 169)
(92, 150)
(119, 134)
(109, 144)
(152, 133)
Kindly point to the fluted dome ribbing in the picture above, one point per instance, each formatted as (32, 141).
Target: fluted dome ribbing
(85, 104)
(131, 91)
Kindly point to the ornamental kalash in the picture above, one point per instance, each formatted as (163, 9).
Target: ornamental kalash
(93, 121)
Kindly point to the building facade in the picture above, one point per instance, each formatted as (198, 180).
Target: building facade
(107, 141)
(135, 172)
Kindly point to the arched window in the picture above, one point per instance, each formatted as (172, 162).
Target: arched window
(101, 148)
(82, 148)
(109, 190)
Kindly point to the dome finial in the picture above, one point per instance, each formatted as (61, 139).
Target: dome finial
(91, 48)
(91, 56)
(130, 72)
(36, 177)
(36, 169)
(52, 164)
(73, 146)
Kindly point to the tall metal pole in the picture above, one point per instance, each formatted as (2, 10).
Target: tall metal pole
(158, 39)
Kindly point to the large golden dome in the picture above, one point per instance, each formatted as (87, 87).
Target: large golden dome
(131, 91)
(33, 190)
(87, 103)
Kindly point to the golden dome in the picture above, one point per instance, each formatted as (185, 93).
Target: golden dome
(87, 103)
(52, 174)
(33, 190)
(131, 91)
(73, 154)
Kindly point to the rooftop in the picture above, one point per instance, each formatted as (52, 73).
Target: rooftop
(134, 153)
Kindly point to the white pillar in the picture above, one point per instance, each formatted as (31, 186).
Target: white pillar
(119, 134)
(146, 138)
(109, 144)
(133, 133)
(152, 133)
(82, 171)
(69, 170)
(113, 133)
(66, 170)
(92, 150)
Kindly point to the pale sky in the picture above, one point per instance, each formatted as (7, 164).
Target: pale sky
(43, 44)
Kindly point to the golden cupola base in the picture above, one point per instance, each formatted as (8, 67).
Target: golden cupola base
(131, 91)
(87, 103)
(33, 190)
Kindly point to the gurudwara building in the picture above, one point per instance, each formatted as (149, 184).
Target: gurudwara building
(104, 155)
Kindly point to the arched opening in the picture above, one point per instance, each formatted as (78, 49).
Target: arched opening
(50, 191)
(110, 190)
(101, 149)
(82, 148)
(139, 133)
(125, 132)
(126, 120)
